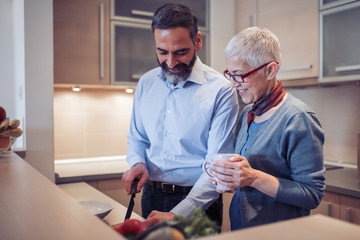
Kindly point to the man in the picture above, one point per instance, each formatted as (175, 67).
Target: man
(184, 112)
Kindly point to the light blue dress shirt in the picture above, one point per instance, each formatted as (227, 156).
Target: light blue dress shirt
(174, 129)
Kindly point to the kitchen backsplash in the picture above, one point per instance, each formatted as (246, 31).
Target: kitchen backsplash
(95, 122)
(91, 123)
(338, 109)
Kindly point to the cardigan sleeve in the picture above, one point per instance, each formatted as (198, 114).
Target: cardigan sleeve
(303, 140)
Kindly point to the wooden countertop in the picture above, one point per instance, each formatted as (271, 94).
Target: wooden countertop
(34, 208)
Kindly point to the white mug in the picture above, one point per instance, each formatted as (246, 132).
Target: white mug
(217, 157)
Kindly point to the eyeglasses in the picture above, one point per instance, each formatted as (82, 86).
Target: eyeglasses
(240, 78)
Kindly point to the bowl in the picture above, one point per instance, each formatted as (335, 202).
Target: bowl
(98, 208)
(6, 142)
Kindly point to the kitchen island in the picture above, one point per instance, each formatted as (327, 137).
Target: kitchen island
(33, 207)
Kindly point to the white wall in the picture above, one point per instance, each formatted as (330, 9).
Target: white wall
(39, 85)
(12, 80)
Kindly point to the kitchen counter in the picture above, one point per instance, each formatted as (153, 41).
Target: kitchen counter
(78, 170)
(345, 181)
(317, 227)
(33, 207)
(341, 180)
(82, 191)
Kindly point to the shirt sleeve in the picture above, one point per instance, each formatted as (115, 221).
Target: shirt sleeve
(137, 140)
(303, 139)
(221, 140)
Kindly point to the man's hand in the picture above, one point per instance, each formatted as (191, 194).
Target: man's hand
(156, 217)
(138, 171)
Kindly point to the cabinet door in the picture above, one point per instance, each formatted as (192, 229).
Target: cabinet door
(81, 42)
(340, 37)
(143, 10)
(296, 25)
(133, 52)
(350, 209)
(329, 206)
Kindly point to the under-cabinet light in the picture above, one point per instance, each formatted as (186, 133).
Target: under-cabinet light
(76, 89)
(129, 90)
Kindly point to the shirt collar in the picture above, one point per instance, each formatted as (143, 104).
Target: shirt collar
(197, 75)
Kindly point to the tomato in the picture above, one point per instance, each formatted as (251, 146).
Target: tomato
(2, 114)
(130, 228)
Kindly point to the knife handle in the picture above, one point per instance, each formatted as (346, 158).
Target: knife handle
(134, 186)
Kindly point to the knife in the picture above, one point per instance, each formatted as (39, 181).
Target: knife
(131, 203)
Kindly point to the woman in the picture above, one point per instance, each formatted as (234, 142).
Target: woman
(279, 173)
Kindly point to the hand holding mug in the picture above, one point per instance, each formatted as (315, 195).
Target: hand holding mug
(218, 157)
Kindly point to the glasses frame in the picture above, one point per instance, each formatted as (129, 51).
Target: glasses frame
(240, 78)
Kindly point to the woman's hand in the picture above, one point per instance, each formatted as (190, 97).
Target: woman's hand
(237, 173)
(234, 173)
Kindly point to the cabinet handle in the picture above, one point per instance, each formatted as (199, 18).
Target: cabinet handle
(296, 68)
(329, 209)
(101, 34)
(251, 21)
(142, 13)
(136, 76)
(348, 214)
(347, 68)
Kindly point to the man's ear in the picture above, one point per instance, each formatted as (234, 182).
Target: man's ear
(198, 41)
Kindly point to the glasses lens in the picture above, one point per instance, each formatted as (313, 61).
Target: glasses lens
(227, 75)
(238, 79)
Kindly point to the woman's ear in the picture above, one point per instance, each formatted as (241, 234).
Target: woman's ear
(198, 41)
(272, 69)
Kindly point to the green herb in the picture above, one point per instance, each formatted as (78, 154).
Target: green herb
(197, 225)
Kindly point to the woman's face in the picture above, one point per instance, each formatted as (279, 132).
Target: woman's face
(255, 86)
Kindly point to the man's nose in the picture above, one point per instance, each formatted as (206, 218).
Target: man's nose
(171, 61)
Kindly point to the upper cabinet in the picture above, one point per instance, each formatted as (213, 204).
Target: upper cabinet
(143, 10)
(81, 42)
(340, 37)
(295, 23)
(132, 40)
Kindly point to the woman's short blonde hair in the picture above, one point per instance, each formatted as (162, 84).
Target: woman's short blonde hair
(255, 46)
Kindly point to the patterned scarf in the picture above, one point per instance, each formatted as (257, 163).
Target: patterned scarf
(265, 103)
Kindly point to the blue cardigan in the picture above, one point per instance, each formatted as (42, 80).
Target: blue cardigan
(288, 146)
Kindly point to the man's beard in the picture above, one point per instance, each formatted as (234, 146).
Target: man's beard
(176, 78)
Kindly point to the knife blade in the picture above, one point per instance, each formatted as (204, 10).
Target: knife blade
(131, 203)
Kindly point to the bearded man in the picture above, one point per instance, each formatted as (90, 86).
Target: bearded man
(184, 112)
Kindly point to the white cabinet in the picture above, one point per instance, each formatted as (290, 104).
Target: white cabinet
(340, 38)
(296, 25)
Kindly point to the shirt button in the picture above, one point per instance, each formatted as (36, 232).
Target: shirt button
(168, 111)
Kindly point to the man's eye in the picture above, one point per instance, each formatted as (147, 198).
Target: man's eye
(181, 53)
(163, 52)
